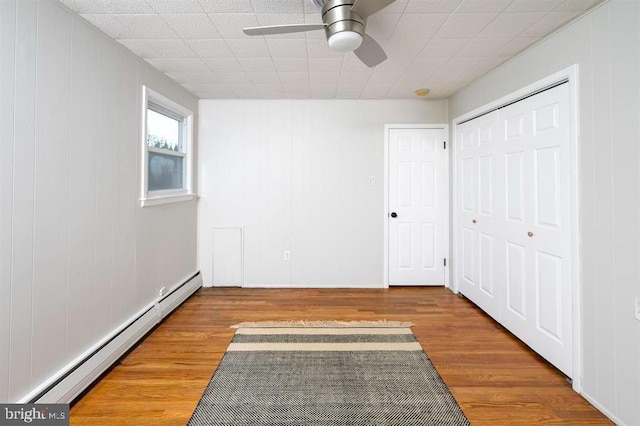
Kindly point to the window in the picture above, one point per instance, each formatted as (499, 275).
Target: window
(167, 140)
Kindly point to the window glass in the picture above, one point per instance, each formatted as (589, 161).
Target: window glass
(163, 132)
(165, 171)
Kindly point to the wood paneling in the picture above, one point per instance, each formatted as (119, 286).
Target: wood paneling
(605, 44)
(495, 378)
(77, 252)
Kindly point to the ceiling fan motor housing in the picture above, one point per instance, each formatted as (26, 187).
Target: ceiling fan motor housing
(338, 17)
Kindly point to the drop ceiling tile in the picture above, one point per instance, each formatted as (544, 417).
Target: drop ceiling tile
(299, 88)
(171, 49)
(176, 6)
(220, 65)
(516, 46)
(353, 78)
(432, 6)
(291, 65)
(193, 77)
(288, 48)
(482, 47)
(257, 64)
(549, 23)
(578, 5)
(375, 90)
(227, 6)
(280, 6)
(270, 90)
(249, 48)
(181, 64)
(325, 65)
(294, 77)
(192, 25)
(139, 48)
(82, 7)
(233, 77)
(428, 66)
(464, 25)
(264, 77)
(353, 64)
(210, 48)
(323, 90)
(403, 49)
(243, 90)
(320, 49)
(396, 7)
(132, 26)
(202, 87)
(381, 26)
(379, 77)
(483, 5)
(443, 47)
(268, 19)
(489, 63)
(230, 25)
(533, 5)
(295, 95)
(418, 26)
(509, 25)
(324, 77)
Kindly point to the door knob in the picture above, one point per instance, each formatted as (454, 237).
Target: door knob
(474, 221)
(394, 214)
(530, 234)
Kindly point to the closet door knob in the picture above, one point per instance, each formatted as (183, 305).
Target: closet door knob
(474, 221)
(530, 234)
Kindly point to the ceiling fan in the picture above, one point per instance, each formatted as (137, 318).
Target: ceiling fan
(343, 22)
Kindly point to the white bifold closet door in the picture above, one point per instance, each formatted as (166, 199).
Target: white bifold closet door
(513, 220)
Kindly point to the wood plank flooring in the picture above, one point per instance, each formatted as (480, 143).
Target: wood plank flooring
(496, 379)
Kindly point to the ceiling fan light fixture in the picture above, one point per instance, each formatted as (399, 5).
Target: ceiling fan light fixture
(345, 41)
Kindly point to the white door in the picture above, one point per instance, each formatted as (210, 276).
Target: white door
(514, 241)
(537, 258)
(479, 202)
(416, 207)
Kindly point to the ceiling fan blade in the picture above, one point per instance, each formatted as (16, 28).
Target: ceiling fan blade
(370, 52)
(282, 29)
(366, 8)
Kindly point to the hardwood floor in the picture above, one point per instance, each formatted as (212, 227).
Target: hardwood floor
(496, 379)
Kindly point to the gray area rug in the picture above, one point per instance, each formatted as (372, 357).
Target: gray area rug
(326, 376)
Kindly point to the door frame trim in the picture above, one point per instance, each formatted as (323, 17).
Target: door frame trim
(447, 189)
(570, 75)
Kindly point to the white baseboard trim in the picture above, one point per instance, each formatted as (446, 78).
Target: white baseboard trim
(604, 411)
(307, 285)
(74, 378)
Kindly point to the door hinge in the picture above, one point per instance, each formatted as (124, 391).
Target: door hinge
(444, 144)
(445, 261)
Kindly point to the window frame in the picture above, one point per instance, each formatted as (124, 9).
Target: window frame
(184, 116)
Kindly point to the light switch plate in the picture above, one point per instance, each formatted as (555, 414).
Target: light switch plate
(637, 308)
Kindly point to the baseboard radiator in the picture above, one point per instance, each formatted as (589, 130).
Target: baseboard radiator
(71, 381)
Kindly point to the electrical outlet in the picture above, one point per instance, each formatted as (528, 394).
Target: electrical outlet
(372, 180)
(287, 255)
(162, 291)
(637, 306)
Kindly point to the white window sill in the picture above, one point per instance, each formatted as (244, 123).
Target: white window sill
(166, 199)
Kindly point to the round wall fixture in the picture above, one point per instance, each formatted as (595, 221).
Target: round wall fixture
(421, 92)
(345, 41)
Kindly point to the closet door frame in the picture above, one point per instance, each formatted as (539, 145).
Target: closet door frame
(569, 75)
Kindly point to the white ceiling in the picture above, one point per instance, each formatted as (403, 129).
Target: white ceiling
(438, 44)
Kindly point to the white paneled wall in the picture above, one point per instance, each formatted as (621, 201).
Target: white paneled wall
(295, 175)
(606, 46)
(78, 254)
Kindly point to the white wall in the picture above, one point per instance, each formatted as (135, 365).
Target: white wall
(606, 46)
(295, 175)
(78, 255)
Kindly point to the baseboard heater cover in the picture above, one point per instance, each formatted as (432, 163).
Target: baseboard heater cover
(85, 371)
